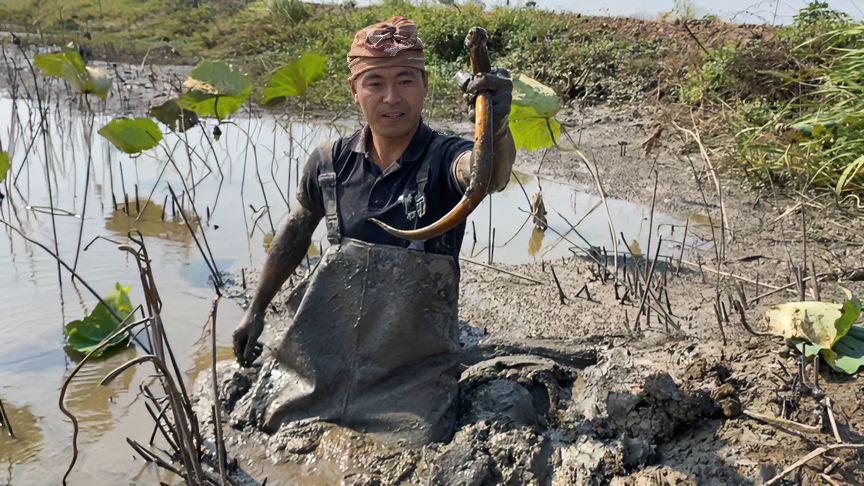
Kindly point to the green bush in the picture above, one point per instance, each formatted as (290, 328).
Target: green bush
(293, 11)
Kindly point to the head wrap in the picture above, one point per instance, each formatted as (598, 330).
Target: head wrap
(392, 43)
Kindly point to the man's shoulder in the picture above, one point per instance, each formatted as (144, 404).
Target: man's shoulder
(449, 141)
(334, 149)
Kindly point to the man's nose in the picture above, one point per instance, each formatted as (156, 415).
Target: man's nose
(391, 94)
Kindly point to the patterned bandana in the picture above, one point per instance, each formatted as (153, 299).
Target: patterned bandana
(392, 43)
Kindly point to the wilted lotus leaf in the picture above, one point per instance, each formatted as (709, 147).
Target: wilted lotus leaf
(132, 135)
(812, 321)
(100, 83)
(173, 116)
(821, 324)
(215, 88)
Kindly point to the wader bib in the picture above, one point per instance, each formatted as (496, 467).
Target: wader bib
(373, 343)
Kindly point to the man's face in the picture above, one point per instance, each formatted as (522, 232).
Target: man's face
(391, 99)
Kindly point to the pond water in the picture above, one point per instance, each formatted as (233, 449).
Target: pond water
(254, 164)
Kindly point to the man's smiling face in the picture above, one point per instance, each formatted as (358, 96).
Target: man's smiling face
(391, 99)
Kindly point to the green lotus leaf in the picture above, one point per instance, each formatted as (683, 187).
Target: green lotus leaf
(173, 116)
(295, 78)
(132, 135)
(847, 355)
(4, 165)
(85, 335)
(851, 311)
(531, 130)
(215, 88)
(68, 65)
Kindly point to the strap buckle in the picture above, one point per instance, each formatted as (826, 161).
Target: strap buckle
(327, 179)
(415, 206)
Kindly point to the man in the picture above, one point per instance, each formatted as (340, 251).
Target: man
(372, 345)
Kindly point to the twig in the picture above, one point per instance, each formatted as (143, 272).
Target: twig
(698, 42)
(651, 222)
(497, 269)
(738, 277)
(832, 421)
(815, 282)
(596, 176)
(561, 295)
(217, 414)
(785, 287)
(647, 285)
(718, 310)
(739, 307)
(724, 223)
(828, 479)
(799, 427)
(683, 243)
(809, 457)
(4, 421)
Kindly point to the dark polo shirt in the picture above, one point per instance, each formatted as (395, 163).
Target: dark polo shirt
(364, 191)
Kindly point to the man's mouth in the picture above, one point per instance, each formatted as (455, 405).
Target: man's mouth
(393, 115)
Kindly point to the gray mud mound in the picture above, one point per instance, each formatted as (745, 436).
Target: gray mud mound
(532, 419)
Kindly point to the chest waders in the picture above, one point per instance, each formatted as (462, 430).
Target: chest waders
(373, 343)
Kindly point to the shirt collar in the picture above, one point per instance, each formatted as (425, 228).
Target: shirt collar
(415, 149)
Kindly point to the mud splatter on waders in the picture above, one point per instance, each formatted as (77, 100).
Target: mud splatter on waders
(373, 341)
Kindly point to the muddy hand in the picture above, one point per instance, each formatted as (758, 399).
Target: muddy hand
(246, 345)
(481, 157)
(498, 84)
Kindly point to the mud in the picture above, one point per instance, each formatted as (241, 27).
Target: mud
(664, 402)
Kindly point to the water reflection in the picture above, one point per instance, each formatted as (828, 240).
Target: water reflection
(91, 402)
(27, 443)
(152, 221)
(202, 358)
(577, 223)
(536, 241)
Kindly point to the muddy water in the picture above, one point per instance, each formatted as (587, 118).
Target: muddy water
(258, 161)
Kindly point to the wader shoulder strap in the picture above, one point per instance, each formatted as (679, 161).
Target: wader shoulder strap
(422, 181)
(327, 183)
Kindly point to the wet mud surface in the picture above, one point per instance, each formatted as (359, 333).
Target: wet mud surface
(668, 401)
